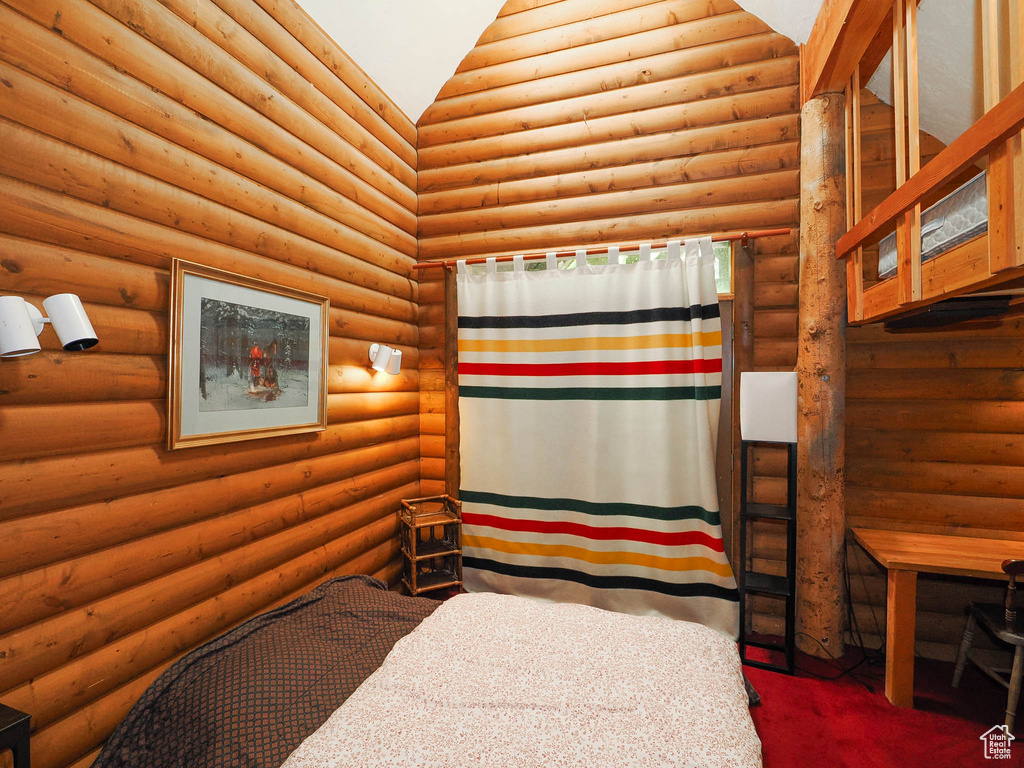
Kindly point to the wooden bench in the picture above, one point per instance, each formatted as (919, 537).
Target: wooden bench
(905, 555)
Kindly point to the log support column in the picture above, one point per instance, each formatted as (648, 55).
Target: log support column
(821, 370)
(452, 457)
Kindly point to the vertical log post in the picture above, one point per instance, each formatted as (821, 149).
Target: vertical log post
(743, 360)
(821, 373)
(452, 469)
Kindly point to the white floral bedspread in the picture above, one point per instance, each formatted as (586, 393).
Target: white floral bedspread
(495, 681)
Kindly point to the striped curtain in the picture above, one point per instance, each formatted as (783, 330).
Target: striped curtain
(589, 404)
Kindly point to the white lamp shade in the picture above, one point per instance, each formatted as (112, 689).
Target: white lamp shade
(20, 325)
(380, 356)
(67, 315)
(768, 407)
(395, 363)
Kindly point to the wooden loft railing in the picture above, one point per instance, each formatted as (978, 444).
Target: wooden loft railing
(1004, 121)
(986, 262)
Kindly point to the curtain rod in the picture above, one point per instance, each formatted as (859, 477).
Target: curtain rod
(743, 238)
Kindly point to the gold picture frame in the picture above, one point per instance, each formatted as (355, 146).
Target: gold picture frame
(248, 358)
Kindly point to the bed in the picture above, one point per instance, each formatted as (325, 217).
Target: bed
(960, 216)
(354, 675)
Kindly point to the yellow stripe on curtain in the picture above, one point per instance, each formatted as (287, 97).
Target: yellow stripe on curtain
(654, 341)
(598, 557)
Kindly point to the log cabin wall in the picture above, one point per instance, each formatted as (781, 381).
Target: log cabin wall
(935, 443)
(236, 134)
(576, 123)
(935, 432)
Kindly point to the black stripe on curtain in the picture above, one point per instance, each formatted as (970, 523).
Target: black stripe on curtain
(657, 315)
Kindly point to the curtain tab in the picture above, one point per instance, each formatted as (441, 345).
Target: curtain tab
(518, 263)
(707, 248)
(460, 266)
(551, 261)
(613, 255)
(674, 250)
(692, 249)
(645, 251)
(581, 258)
(492, 265)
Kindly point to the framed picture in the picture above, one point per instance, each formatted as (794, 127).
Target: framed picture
(248, 358)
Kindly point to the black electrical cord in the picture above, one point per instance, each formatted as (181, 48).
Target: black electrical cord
(855, 633)
(874, 656)
(843, 671)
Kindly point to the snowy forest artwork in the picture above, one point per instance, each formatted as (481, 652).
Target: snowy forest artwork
(251, 358)
(248, 358)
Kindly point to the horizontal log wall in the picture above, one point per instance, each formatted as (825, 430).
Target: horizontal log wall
(432, 382)
(577, 123)
(935, 443)
(236, 134)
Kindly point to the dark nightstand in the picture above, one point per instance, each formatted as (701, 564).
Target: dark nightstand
(14, 732)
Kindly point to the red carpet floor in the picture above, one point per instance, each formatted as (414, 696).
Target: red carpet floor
(806, 722)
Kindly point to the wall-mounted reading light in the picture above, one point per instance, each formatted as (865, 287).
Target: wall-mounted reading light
(385, 358)
(21, 323)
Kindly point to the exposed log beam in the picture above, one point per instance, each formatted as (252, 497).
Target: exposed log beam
(841, 35)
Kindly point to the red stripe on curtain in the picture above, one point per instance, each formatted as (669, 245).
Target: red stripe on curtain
(597, 533)
(640, 368)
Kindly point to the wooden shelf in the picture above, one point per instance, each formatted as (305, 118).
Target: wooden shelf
(756, 583)
(427, 550)
(433, 520)
(766, 584)
(769, 512)
(429, 582)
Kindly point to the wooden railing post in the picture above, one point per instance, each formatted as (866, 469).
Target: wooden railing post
(908, 149)
(1003, 247)
(821, 369)
(1016, 22)
(854, 186)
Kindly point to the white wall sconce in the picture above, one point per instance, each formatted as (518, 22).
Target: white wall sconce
(385, 358)
(21, 323)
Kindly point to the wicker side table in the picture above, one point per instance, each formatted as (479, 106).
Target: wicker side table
(431, 531)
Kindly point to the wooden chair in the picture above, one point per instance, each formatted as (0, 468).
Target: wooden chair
(1001, 622)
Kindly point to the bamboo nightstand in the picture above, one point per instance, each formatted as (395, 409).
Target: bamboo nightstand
(431, 530)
